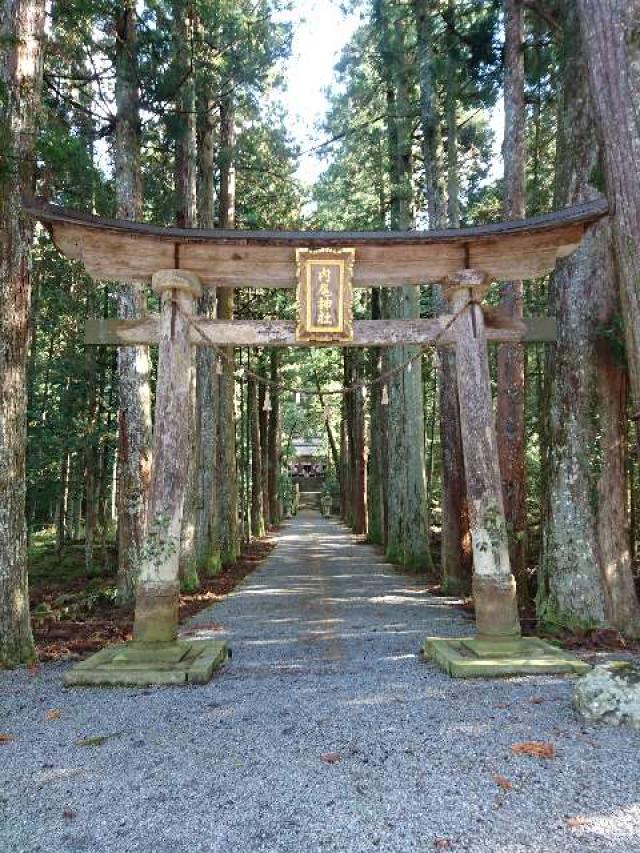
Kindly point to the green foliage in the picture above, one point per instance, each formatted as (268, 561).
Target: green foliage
(612, 336)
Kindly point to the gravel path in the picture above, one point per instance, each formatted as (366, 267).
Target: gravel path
(324, 637)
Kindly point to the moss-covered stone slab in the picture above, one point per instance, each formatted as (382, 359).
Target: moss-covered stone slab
(148, 664)
(481, 658)
(610, 693)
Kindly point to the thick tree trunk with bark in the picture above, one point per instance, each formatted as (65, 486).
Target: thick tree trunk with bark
(510, 378)
(21, 35)
(134, 418)
(455, 560)
(407, 541)
(585, 577)
(611, 38)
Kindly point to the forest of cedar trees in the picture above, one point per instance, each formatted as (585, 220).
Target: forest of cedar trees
(173, 113)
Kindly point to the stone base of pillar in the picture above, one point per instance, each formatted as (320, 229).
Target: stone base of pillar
(147, 664)
(476, 658)
(156, 614)
(496, 607)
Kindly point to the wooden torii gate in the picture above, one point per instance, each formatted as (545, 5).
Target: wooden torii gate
(178, 263)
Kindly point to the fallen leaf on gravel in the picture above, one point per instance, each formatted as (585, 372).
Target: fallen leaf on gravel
(442, 843)
(52, 714)
(7, 738)
(577, 821)
(92, 741)
(98, 740)
(503, 705)
(535, 748)
(68, 814)
(536, 700)
(502, 782)
(331, 757)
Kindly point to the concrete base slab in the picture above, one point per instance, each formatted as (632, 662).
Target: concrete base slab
(475, 658)
(147, 664)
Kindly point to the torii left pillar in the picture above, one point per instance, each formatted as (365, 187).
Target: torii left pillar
(156, 656)
(158, 582)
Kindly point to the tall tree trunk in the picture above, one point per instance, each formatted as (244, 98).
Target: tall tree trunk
(90, 466)
(263, 418)
(455, 549)
(510, 400)
(345, 493)
(134, 418)
(376, 478)
(207, 513)
(257, 506)
(227, 474)
(243, 460)
(612, 53)
(453, 486)
(185, 136)
(186, 215)
(346, 450)
(274, 440)
(62, 501)
(375, 473)
(358, 445)
(585, 577)
(424, 12)
(453, 176)
(407, 542)
(21, 32)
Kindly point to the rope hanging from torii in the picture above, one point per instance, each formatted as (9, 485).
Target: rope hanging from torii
(363, 385)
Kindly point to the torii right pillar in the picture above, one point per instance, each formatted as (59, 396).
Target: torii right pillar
(498, 648)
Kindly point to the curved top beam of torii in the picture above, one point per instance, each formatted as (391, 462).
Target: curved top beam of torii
(120, 250)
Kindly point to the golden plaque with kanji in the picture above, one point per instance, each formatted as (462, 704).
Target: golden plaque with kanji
(325, 295)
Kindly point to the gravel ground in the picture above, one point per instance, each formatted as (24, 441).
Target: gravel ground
(324, 637)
